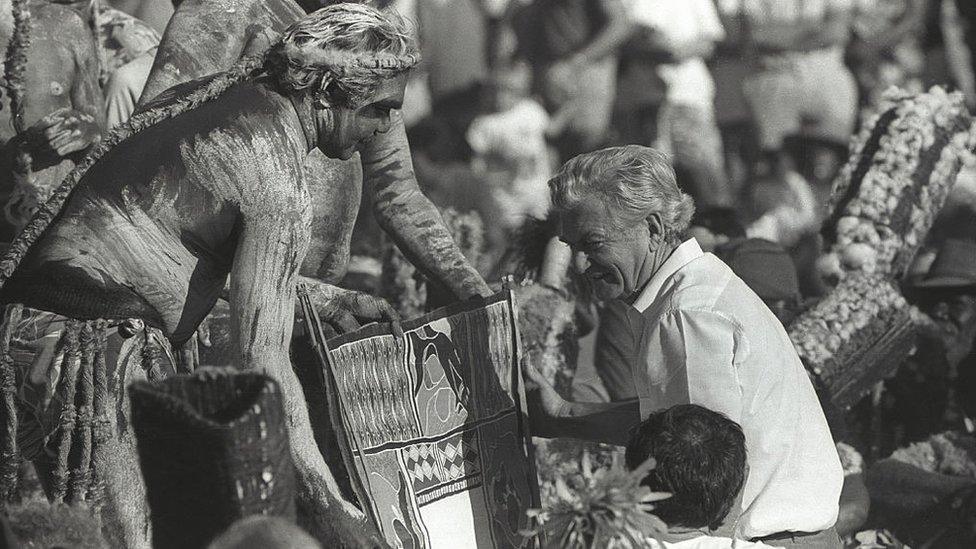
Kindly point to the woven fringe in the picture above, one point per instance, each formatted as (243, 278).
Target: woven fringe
(67, 386)
(80, 474)
(9, 458)
(101, 424)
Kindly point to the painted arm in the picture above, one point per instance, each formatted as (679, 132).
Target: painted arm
(410, 218)
(262, 301)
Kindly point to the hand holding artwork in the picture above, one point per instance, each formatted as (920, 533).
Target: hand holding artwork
(347, 308)
(546, 399)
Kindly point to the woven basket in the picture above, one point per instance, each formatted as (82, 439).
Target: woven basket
(213, 448)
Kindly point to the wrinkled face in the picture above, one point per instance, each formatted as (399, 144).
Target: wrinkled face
(349, 128)
(610, 257)
(955, 313)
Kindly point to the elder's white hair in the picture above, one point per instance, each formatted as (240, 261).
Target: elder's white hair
(634, 183)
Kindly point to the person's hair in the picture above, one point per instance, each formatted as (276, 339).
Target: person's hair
(719, 220)
(701, 460)
(311, 5)
(342, 53)
(634, 183)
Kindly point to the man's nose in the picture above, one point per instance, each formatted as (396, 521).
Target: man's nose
(385, 125)
(580, 262)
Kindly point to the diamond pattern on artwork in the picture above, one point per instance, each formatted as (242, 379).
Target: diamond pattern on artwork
(460, 456)
(423, 465)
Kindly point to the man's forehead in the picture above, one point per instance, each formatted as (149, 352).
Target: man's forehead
(312, 5)
(588, 218)
(390, 92)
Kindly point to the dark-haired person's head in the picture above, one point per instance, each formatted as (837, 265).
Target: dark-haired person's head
(701, 461)
(715, 226)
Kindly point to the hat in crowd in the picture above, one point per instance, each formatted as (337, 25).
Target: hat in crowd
(765, 266)
(954, 266)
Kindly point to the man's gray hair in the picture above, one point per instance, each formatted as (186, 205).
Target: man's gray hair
(634, 183)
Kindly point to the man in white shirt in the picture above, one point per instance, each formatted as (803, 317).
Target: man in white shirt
(703, 337)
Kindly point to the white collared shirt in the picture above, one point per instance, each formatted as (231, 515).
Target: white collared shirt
(705, 338)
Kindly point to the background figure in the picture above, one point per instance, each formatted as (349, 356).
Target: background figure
(798, 83)
(52, 105)
(688, 31)
(572, 46)
(923, 395)
(511, 154)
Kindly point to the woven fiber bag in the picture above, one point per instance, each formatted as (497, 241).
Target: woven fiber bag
(213, 448)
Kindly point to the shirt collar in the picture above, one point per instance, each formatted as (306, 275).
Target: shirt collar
(684, 254)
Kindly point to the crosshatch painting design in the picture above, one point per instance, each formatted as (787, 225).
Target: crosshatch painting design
(435, 425)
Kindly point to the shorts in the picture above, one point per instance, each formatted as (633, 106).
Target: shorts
(810, 94)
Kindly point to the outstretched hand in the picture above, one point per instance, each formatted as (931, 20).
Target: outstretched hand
(548, 401)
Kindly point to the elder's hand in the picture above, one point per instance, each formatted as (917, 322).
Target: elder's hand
(63, 132)
(345, 311)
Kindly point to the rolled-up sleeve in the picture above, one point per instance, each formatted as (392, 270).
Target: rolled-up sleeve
(690, 359)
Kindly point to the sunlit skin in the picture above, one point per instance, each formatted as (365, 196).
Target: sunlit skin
(618, 261)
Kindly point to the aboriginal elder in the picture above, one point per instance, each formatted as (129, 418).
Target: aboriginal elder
(207, 182)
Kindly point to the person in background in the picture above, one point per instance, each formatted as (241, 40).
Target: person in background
(713, 227)
(767, 268)
(798, 83)
(925, 388)
(572, 46)
(127, 51)
(688, 31)
(510, 144)
(700, 458)
(53, 112)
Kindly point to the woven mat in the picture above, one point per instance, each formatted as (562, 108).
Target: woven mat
(434, 425)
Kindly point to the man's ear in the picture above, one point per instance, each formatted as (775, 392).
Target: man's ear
(655, 226)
